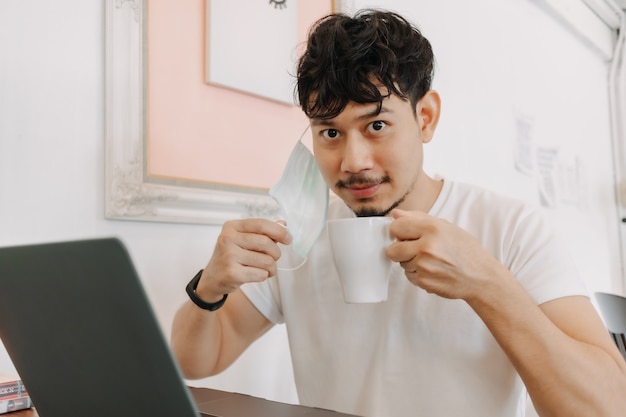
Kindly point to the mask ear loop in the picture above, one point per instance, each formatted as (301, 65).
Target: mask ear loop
(306, 129)
(289, 260)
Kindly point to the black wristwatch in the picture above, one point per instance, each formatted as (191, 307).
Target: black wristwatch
(191, 292)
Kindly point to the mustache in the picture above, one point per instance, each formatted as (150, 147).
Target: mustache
(361, 181)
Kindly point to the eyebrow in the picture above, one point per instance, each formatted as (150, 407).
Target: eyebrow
(374, 112)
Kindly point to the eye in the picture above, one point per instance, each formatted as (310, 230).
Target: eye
(330, 134)
(377, 126)
(279, 4)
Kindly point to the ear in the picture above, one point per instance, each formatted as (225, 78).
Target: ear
(427, 112)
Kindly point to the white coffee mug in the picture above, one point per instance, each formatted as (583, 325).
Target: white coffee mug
(359, 248)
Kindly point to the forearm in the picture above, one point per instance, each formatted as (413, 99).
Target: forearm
(207, 342)
(196, 340)
(564, 376)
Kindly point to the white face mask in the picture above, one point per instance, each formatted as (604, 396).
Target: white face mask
(302, 195)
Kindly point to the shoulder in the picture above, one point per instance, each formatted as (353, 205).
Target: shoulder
(493, 217)
(463, 199)
(478, 194)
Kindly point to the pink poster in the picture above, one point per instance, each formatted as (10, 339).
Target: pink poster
(208, 133)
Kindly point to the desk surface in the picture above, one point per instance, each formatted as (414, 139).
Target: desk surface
(204, 396)
(23, 413)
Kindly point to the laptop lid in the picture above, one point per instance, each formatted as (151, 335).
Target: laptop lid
(80, 331)
(83, 337)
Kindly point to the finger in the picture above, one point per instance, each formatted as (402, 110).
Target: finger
(408, 267)
(234, 265)
(274, 230)
(407, 228)
(283, 224)
(235, 247)
(257, 235)
(256, 243)
(398, 213)
(411, 225)
(256, 273)
(240, 274)
(402, 251)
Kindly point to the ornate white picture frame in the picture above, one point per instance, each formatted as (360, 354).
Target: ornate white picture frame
(131, 194)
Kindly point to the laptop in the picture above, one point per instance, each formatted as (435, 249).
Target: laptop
(79, 329)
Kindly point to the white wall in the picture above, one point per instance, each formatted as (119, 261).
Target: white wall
(52, 169)
(52, 145)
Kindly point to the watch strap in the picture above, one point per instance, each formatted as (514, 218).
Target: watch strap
(191, 292)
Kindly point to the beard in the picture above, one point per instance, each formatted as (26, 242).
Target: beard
(369, 211)
(364, 209)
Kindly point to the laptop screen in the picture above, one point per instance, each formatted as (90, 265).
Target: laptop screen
(80, 331)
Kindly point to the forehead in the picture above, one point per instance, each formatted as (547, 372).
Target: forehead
(390, 106)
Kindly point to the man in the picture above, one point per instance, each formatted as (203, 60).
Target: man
(483, 303)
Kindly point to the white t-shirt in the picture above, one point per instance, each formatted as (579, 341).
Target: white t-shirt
(416, 354)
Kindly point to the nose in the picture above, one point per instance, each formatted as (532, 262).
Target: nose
(357, 154)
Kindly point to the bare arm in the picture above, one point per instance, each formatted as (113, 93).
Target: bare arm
(207, 342)
(561, 349)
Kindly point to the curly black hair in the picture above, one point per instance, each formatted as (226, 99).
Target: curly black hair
(350, 58)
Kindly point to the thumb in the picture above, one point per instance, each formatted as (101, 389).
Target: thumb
(397, 213)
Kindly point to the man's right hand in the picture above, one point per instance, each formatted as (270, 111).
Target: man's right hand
(245, 251)
(207, 342)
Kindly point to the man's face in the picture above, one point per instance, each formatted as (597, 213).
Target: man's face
(373, 161)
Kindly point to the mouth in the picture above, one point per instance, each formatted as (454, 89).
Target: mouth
(362, 192)
(362, 188)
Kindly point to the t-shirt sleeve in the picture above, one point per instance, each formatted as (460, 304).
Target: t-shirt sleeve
(539, 258)
(265, 296)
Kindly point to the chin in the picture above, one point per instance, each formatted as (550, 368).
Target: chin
(369, 211)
